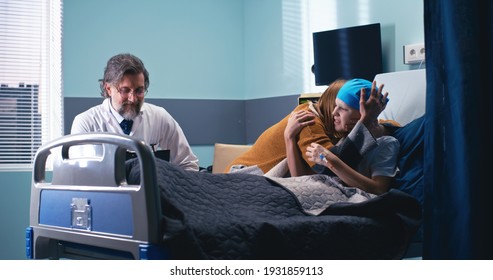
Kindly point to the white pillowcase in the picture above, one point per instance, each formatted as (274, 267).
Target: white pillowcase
(407, 95)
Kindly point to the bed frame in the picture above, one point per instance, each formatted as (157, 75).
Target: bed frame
(73, 215)
(103, 206)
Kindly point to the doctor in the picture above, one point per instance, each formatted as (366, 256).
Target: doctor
(123, 110)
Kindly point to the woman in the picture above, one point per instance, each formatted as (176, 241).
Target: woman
(377, 167)
(269, 149)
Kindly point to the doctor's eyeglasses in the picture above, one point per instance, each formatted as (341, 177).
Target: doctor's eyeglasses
(125, 91)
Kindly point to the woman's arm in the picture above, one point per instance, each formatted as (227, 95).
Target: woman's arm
(296, 163)
(352, 178)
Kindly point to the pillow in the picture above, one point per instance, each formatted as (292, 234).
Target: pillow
(411, 158)
(224, 154)
(407, 95)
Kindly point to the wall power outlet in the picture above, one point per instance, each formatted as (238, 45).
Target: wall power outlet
(414, 53)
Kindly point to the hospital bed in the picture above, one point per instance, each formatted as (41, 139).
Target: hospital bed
(103, 206)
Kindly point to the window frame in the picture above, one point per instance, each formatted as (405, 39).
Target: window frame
(31, 31)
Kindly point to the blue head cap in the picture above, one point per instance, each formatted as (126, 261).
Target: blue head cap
(350, 92)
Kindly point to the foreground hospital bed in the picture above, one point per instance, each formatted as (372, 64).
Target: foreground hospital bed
(106, 207)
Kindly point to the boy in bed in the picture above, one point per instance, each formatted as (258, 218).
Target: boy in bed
(267, 155)
(124, 111)
(374, 173)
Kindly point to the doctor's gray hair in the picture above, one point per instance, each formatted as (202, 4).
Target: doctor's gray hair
(118, 66)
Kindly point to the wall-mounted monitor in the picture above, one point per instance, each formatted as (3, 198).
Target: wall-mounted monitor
(352, 52)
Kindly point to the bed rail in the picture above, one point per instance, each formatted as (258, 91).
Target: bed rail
(87, 200)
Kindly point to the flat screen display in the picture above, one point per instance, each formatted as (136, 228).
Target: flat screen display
(346, 53)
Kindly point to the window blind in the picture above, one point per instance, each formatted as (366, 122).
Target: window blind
(30, 79)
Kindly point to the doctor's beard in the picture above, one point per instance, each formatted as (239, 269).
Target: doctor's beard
(130, 110)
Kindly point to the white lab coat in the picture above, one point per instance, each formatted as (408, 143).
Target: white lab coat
(154, 125)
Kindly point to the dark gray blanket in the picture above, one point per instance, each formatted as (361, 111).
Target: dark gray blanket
(244, 216)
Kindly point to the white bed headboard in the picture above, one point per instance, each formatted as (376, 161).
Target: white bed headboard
(407, 95)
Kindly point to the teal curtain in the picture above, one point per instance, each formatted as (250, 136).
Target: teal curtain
(458, 203)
